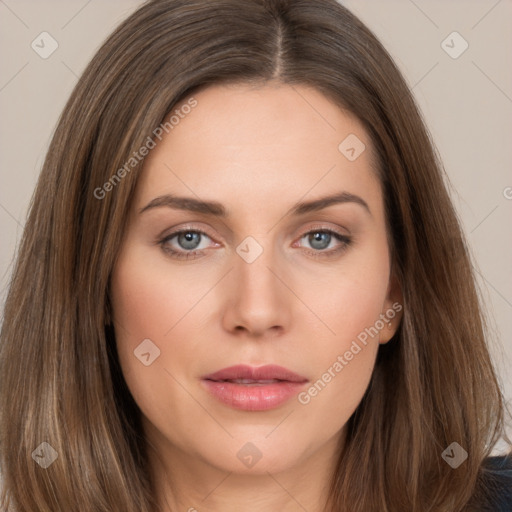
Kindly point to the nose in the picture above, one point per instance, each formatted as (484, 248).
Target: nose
(258, 302)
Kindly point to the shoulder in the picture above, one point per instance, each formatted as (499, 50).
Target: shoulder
(495, 484)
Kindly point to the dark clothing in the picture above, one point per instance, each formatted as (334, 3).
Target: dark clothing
(497, 485)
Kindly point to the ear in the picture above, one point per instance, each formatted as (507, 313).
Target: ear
(392, 310)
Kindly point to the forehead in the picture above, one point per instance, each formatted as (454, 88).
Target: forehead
(262, 144)
(273, 116)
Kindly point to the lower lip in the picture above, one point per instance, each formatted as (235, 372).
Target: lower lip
(253, 397)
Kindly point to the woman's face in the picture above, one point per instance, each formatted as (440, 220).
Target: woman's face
(265, 272)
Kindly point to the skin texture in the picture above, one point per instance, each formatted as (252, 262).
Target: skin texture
(258, 151)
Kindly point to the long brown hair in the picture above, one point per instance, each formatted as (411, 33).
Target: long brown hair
(433, 384)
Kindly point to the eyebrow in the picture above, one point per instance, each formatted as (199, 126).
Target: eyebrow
(217, 209)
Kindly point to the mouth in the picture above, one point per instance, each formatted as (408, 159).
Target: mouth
(254, 388)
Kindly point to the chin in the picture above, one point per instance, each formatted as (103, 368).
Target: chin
(253, 455)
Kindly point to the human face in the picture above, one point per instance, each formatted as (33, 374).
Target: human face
(256, 286)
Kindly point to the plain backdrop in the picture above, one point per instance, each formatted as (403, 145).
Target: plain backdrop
(466, 99)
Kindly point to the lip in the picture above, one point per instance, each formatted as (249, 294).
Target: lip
(251, 388)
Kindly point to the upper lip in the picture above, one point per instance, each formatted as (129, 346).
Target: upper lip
(256, 373)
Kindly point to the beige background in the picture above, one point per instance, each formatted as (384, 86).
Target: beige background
(467, 103)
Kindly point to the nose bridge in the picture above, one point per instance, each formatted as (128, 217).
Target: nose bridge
(256, 256)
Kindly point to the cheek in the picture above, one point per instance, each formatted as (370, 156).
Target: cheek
(347, 299)
(151, 303)
(342, 352)
(341, 368)
(148, 299)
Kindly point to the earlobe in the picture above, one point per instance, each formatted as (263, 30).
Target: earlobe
(389, 330)
(393, 310)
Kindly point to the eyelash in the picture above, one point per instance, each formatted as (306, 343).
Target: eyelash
(345, 240)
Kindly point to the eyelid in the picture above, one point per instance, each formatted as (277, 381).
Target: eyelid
(176, 230)
(323, 227)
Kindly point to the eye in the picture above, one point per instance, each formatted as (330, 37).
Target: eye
(185, 243)
(325, 242)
